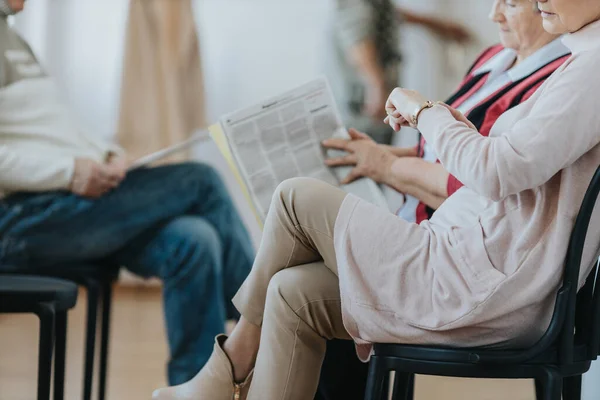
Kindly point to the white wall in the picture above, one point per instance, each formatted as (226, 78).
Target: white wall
(81, 44)
(252, 50)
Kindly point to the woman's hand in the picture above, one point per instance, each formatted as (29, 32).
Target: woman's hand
(400, 107)
(368, 158)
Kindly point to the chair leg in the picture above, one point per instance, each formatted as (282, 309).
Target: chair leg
(404, 386)
(549, 386)
(572, 388)
(60, 350)
(376, 388)
(90, 338)
(45, 313)
(105, 336)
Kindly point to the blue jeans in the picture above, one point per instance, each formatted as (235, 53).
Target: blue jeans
(176, 222)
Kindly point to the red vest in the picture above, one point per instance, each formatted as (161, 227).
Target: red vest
(485, 114)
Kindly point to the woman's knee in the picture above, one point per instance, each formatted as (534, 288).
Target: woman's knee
(303, 191)
(282, 294)
(309, 293)
(301, 183)
(300, 285)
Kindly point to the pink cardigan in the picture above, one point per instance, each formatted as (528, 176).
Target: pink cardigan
(486, 268)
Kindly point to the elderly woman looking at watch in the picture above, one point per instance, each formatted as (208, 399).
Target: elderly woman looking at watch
(484, 270)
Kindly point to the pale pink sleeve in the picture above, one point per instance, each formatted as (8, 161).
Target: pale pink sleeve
(563, 125)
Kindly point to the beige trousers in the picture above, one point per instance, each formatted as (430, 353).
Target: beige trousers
(293, 290)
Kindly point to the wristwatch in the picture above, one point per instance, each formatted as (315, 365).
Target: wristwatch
(414, 119)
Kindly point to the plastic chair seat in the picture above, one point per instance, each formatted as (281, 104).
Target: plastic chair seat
(49, 299)
(16, 290)
(97, 278)
(79, 273)
(472, 356)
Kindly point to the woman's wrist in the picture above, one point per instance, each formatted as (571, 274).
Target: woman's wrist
(401, 151)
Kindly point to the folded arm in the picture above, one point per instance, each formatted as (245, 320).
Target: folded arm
(20, 171)
(562, 126)
(421, 179)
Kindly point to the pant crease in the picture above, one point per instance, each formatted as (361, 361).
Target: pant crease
(285, 388)
(312, 229)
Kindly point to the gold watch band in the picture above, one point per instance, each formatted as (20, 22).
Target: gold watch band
(415, 117)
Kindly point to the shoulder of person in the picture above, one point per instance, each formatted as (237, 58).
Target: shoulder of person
(581, 69)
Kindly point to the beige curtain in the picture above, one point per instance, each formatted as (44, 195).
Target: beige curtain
(162, 96)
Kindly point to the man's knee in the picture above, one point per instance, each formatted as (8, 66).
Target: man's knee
(198, 174)
(199, 171)
(192, 246)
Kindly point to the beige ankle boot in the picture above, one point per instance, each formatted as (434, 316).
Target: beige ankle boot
(213, 382)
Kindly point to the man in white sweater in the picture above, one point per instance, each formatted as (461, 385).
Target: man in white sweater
(67, 198)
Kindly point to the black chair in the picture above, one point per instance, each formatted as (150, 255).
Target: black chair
(49, 299)
(556, 362)
(98, 280)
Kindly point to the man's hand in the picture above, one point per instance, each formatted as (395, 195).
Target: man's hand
(118, 161)
(92, 179)
(368, 158)
(445, 29)
(451, 30)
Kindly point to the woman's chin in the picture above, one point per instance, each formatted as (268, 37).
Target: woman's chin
(553, 25)
(505, 42)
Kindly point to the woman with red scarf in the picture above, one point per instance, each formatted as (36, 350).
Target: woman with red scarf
(503, 77)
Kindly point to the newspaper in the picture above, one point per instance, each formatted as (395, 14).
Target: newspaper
(281, 138)
(148, 159)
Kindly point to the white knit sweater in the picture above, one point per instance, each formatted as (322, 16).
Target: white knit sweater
(39, 139)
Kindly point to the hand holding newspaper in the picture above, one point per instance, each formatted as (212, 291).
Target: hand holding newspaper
(268, 143)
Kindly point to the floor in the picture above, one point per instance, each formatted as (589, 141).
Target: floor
(138, 355)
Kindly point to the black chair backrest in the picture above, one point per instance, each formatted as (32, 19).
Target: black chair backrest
(571, 310)
(581, 313)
